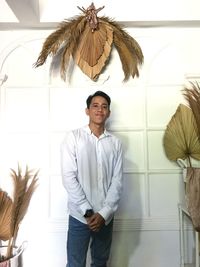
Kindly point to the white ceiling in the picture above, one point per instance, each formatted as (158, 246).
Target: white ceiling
(47, 13)
(21, 14)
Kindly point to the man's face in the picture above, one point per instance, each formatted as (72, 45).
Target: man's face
(98, 110)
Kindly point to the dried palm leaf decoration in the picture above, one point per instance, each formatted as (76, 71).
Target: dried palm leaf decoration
(192, 95)
(88, 40)
(181, 136)
(5, 215)
(13, 210)
(182, 141)
(24, 187)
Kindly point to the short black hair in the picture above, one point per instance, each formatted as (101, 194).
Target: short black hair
(98, 93)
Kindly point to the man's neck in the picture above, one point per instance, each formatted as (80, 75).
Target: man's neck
(97, 130)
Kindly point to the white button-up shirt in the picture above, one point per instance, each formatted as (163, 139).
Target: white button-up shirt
(92, 172)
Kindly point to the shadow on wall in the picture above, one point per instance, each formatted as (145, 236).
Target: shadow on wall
(128, 219)
(124, 245)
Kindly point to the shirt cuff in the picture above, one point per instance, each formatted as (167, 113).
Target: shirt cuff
(85, 206)
(106, 213)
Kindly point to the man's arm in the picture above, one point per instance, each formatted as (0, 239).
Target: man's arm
(69, 174)
(114, 192)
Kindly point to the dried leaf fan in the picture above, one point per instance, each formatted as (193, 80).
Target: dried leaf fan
(181, 136)
(88, 40)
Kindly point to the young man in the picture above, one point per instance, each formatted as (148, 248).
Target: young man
(91, 161)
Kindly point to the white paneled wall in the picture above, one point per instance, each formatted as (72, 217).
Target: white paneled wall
(36, 110)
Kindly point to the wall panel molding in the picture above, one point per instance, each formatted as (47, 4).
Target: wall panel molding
(170, 223)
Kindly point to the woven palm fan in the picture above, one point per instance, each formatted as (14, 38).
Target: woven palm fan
(89, 41)
(181, 136)
(5, 215)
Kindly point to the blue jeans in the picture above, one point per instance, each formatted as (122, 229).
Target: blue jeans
(78, 240)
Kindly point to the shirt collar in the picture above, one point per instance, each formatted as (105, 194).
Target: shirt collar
(87, 129)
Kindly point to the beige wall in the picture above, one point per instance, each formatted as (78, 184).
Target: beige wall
(37, 110)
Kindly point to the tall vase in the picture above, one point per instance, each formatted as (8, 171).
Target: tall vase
(16, 260)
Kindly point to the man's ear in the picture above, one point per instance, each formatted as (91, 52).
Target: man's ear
(87, 111)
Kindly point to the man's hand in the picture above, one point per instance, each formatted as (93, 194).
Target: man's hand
(95, 222)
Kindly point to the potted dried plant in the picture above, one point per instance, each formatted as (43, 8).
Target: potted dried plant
(12, 212)
(182, 144)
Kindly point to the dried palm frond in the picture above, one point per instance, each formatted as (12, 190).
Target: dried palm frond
(66, 35)
(88, 40)
(192, 95)
(24, 186)
(129, 50)
(5, 215)
(93, 50)
(181, 136)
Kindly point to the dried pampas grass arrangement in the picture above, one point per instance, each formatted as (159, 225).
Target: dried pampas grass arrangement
(88, 40)
(12, 211)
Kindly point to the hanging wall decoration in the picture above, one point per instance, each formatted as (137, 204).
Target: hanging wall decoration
(88, 40)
